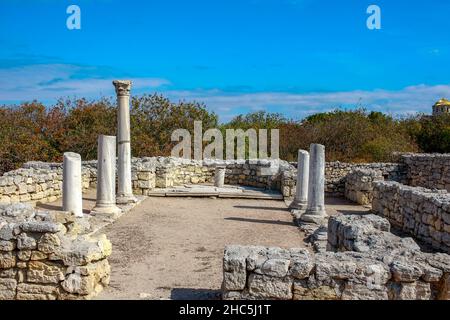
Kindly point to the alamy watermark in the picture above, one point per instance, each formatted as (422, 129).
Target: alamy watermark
(73, 21)
(374, 20)
(239, 145)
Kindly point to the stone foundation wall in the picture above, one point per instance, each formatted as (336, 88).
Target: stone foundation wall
(40, 181)
(43, 256)
(294, 274)
(30, 184)
(169, 172)
(421, 212)
(364, 261)
(430, 171)
(359, 185)
(336, 174)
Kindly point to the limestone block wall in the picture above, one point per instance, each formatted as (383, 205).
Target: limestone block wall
(430, 171)
(171, 171)
(40, 181)
(421, 212)
(294, 274)
(366, 233)
(364, 261)
(359, 185)
(44, 257)
(31, 184)
(336, 174)
(162, 172)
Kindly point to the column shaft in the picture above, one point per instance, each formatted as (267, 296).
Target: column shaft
(106, 176)
(219, 177)
(124, 187)
(315, 210)
(301, 191)
(72, 187)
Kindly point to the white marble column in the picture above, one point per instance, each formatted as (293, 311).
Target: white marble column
(124, 187)
(106, 176)
(72, 187)
(301, 191)
(219, 177)
(315, 211)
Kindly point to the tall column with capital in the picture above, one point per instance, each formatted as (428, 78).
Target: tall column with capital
(124, 188)
(315, 211)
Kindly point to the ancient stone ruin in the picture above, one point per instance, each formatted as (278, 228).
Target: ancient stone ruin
(398, 250)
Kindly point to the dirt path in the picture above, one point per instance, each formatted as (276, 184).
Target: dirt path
(172, 248)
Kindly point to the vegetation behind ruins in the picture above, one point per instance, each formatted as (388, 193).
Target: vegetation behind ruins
(31, 131)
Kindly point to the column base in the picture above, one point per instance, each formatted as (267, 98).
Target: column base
(317, 217)
(126, 199)
(106, 210)
(298, 205)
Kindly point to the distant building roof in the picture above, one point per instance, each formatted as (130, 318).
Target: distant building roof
(442, 102)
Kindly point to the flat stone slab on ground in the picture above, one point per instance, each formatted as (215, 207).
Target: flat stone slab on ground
(211, 191)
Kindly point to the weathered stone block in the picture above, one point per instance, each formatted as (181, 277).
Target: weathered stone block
(7, 260)
(37, 255)
(267, 287)
(302, 291)
(7, 289)
(75, 283)
(235, 280)
(41, 226)
(7, 245)
(409, 291)
(44, 272)
(24, 242)
(24, 255)
(8, 273)
(49, 243)
(404, 271)
(356, 291)
(274, 267)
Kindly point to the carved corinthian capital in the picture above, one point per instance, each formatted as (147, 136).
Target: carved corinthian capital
(123, 87)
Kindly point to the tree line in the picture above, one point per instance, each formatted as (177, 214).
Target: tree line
(32, 131)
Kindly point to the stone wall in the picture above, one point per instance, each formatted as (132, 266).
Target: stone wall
(421, 212)
(40, 181)
(168, 172)
(45, 256)
(31, 184)
(428, 170)
(379, 266)
(336, 175)
(359, 185)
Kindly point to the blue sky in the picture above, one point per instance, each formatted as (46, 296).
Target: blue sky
(296, 57)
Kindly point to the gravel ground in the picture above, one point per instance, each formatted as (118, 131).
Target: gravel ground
(172, 248)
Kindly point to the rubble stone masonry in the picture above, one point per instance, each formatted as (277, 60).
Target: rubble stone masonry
(46, 256)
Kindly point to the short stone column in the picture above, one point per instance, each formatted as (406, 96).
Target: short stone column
(106, 176)
(124, 187)
(301, 191)
(72, 187)
(219, 176)
(315, 211)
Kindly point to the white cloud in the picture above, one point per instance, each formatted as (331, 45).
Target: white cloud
(51, 81)
(409, 100)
